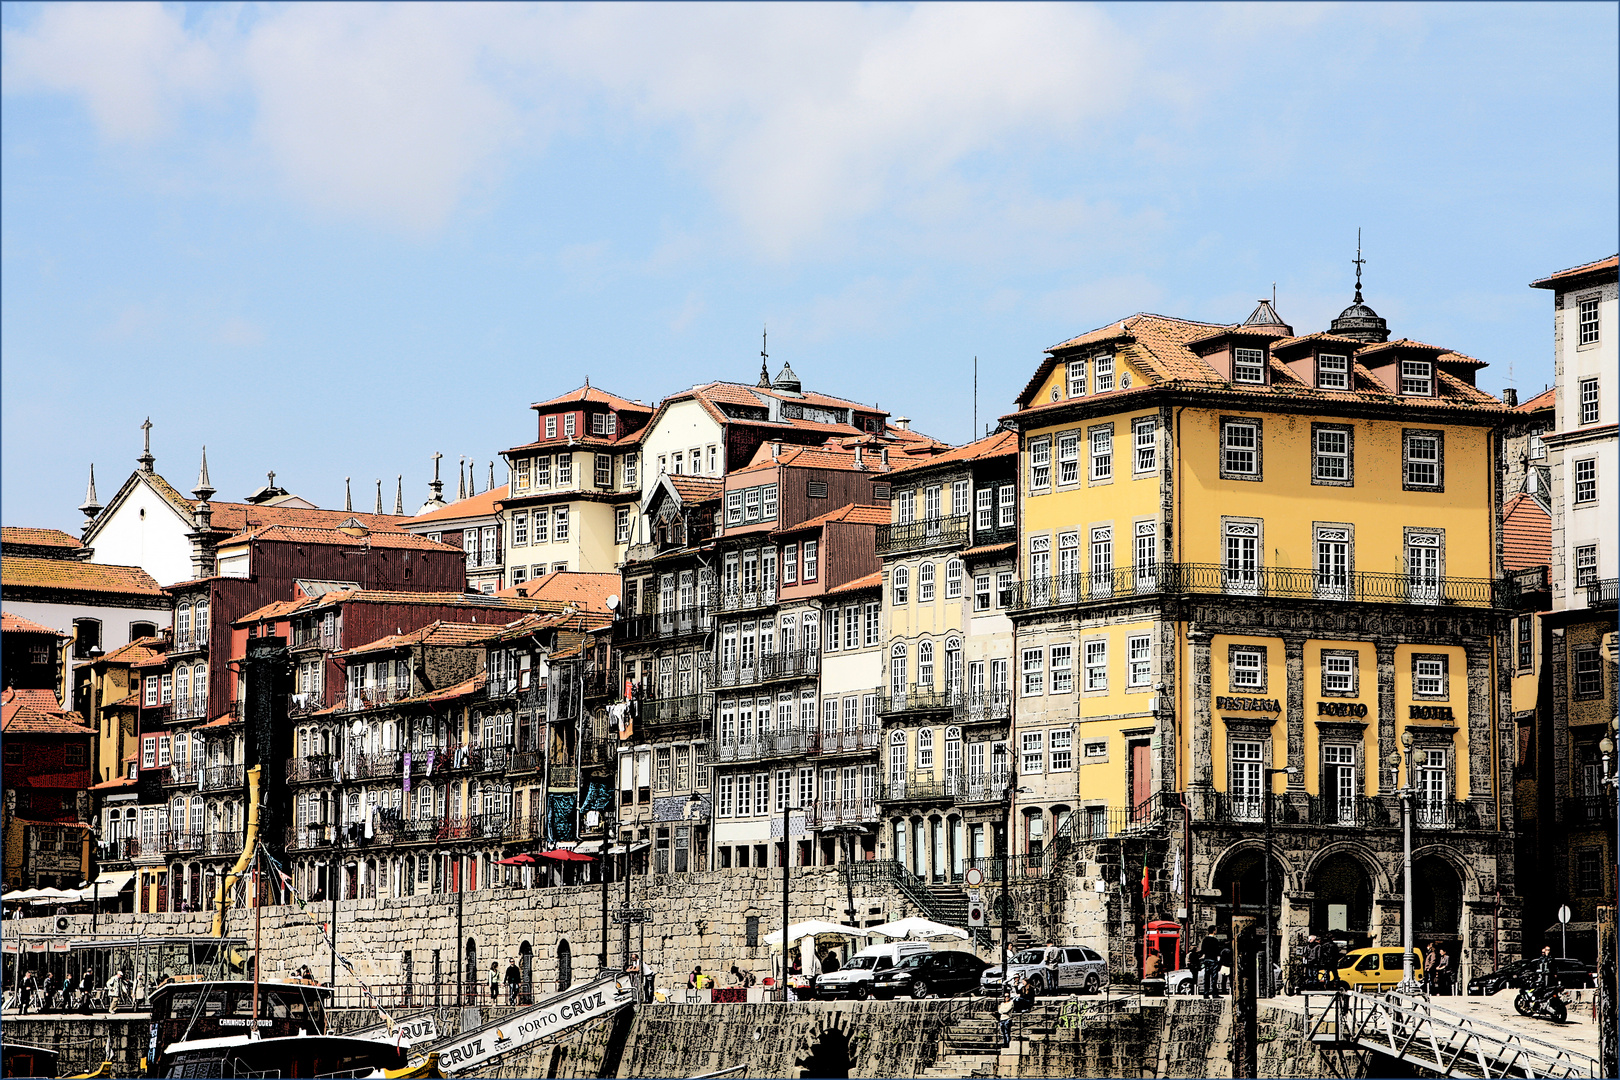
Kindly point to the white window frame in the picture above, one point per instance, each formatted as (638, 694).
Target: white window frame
(1332, 371)
(1032, 667)
(1060, 747)
(1077, 378)
(1247, 670)
(1068, 458)
(953, 579)
(1102, 370)
(1589, 331)
(1145, 440)
(1417, 378)
(1061, 665)
(1139, 660)
(1102, 453)
(1589, 401)
(1096, 666)
(1040, 463)
(1423, 460)
(1238, 458)
(1032, 759)
(1586, 483)
(1249, 366)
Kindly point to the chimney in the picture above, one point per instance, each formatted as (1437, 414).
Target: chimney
(903, 423)
(1510, 398)
(883, 455)
(776, 449)
(859, 464)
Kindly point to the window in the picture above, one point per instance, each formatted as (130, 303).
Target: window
(542, 526)
(1004, 587)
(568, 425)
(984, 516)
(901, 585)
(610, 424)
(1422, 459)
(790, 563)
(1240, 449)
(1538, 446)
(1588, 672)
(149, 752)
(925, 666)
(1589, 401)
(925, 749)
(520, 574)
(1102, 560)
(873, 611)
(1423, 556)
(1061, 743)
(981, 592)
(490, 558)
(1589, 320)
(953, 579)
(521, 480)
(1417, 377)
(751, 504)
(960, 500)
(1034, 675)
(1526, 643)
(1585, 564)
(163, 751)
(86, 636)
(151, 698)
(1338, 672)
(925, 583)
(1429, 676)
(1586, 481)
(1243, 778)
(662, 769)
(1248, 668)
(1068, 458)
(1139, 656)
(1104, 367)
(811, 568)
(598, 424)
(168, 688)
(604, 471)
(1249, 365)
(621, 525)
(542, 471)
(1096, 665)
(768, 502)
(852, 626)
(1145, 437)
(1034, 758)
(565, 468)
(1040, 463)
(1147, 556)
(1332, 372)
(1095, 750)
(1334, 552)
(1077, 378)
(551, 427)
(714, 460)
(727, 789)
(1062, 669)
(1330, 460)
(734, 508)
(1007, 509)
(520, 528)
(1589, 870)
(559, 530)
(1102, 453)
(931, 502)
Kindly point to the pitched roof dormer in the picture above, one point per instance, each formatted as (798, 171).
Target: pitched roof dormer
(1322, 361)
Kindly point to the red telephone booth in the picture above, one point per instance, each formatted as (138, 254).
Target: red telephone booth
(1166, 937)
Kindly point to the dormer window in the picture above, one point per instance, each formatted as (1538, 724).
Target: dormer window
(1077, 378)
(1332, 372)
(551, 427)
(1249, 366)
(1417, 377)
(1105, 372)
(598, 423)
(568, 425)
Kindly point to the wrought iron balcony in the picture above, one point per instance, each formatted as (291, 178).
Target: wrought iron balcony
(677, 709)
(983, 788)
(996, 534)
(927, 533)
(801, 663)
(1603, 594)
(987, 706)
(181, 841)
(666, 624)
(744, 599)
(856, 740)
(181, 774)
(840, 812)
(920, 699)
(524, 761)
(372, 696)
(223, 842)
(1589, 810)
(119, 849)
(923, 787)
(222, 777)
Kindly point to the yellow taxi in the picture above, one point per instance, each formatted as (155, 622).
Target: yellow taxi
(1375, 970)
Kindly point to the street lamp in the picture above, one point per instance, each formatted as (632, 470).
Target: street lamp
(1006, 850)
(607, 832)
(1288, 770)
(1408, 982)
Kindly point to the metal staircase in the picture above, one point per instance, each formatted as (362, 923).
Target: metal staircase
(1414, 1030)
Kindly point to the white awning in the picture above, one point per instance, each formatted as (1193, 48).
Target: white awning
(588, 847)
(640, 845)
(108, 883)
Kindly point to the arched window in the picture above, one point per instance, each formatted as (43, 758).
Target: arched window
(200, 617)
(902, 585)
(196, 815)
(86, 636)
(199, 690)
(565, 966)
(897, 764)
(897, 669)
(182, 625)
(177, 817)
(182, 691)
(953, 668)
(925, 666)
(953, 579)
(470, 971)
(925, 583)
(925, 750)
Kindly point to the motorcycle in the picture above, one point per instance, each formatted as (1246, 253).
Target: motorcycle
(1546, 1003)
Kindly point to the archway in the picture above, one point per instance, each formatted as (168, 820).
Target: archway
(1241, 880)
(526, 973)
(565, 966)
(832, 1054)
(1342, 905)
(1437, 906)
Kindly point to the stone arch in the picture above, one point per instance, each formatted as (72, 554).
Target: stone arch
(526, 973)
(830, 1052)
(1371, 864)
(1239, 876)
(1291, 876)
(565, 965)
(1343, 897)
(1467, 878)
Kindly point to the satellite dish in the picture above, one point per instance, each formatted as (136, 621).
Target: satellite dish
(613, 602)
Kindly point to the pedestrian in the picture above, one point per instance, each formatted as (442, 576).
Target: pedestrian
(87, 992)
(829, 961)
(29, 989)
(1429, 968)
(514, 979)
(1050, 956)
(115, 990)
(1023, 995)
(1152, 965)
(1004, 1019)
(1442, 973)
(649, 982)
(694, 981)
(1210, 948)
(1226, 969)
(742, 978)
(47, 992)
(494, 983)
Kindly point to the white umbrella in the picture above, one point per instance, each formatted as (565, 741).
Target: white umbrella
(919, 928)
(812, 927)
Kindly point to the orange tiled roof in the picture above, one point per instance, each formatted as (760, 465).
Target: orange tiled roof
(587, 592)
(987, 549)
(449, 693)
(812, 457)
(1553, 281)
(494, 604)
(854, 513)
(873, 580)
(12, 623)
(38, 699)
(377, 538)
(1001, 444)
(480, 505)
(115, 784)
(696, 489)
(30, 572)
(439, 633)
(1547, 399)
(1526, 533)
(133, 653)
(21, 713)
(278, 609)
(231, 518)
(595, 395)
(31, 537)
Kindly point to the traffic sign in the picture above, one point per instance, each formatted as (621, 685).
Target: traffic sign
(1563, 913)
(975, 914)
(975, 896)
(631, 915)
(974, 877)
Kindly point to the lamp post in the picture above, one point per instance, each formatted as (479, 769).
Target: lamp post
(1013, 791)
(607, 831)
(1289, 770)
(787, 860)
(1408, 982)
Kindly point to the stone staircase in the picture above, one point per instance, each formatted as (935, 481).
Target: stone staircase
(972, 1041)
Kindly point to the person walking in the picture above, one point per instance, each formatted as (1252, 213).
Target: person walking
(27, 993)
(1442, 973)
(1152, 965)
(514, 978)
(494, 983)
(1210, 948)
(1428, 969)
(1004, 1013)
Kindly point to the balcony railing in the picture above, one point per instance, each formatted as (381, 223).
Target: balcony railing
(190, 707)
(983, 788)
(188, 644)
(181, 841)
(840, 812)
(847, 741)
(1603, 594)
(666, 624)
(1017, 866)
(929, 532)
(221, 842)
(920, 699)
(1351, 812)
(923, 787)
(1589, 810)
(222, 777)
(524, 761)
(1282, 582)
(789, 665)
(372, 696)
(987, 706)
(677, 709)
(182, 774)
(742, 599)
(315, 767)
(999, 534)
(121, 848)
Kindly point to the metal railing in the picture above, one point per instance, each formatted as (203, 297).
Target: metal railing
(1603, 594)
(1358, 812)
(995, 534)
(983, 788)
(524, 761)
(986, 706)
(666, 624)
(372, 696)
(173, 842)
(190, 707)
(677, 709)
(846, 742)
(1589, 810)
(222, 777)
(1018, 866)
(742, 599)
(920, 699)
(839, 812)
(1285, 582)
(923, 786)
(929, 532)
(768, 744)
(222, 842)
(123, 847)
(181, 774)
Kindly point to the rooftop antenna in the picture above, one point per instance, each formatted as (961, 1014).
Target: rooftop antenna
(1359, 261)
(975, 426)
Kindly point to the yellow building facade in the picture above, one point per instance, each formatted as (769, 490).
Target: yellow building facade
(1258, 578)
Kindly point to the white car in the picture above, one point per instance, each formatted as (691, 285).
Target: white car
(1077, 968)
(854, 979)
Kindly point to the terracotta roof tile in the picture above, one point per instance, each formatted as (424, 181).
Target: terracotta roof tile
(133, 653)
(854, 513)
(440, 634)
(468, 688)
(874, 580)
(696, 489)
(278, 609)
(20, 714)
(1552, 281)
(31, 537)
(480, 505)
(1526, 533)
(232, 518)
(376, 538)
(988, 549)
(116, 784)
(1001, 444)
(595, 395)
(587, 592)
(12, 623)
(813, 457)
(1547, 399)
(24, 571)
(38, 699)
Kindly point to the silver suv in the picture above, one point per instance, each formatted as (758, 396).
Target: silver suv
(1077, 968)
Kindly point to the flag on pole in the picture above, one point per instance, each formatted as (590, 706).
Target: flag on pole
(1144, 879)
(1175, 883)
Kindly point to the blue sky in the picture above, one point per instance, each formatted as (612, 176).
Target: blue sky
(330, 240)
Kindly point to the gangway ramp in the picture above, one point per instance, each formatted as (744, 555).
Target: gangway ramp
(1414, 1030)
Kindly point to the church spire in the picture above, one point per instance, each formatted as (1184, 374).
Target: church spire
(399, 495)
(1360, 262)
(146, 460)
(348, 496)
(764, 358)
(491, 485)
(379, 497)
(91, 505)
(204, 490)
(461, 479)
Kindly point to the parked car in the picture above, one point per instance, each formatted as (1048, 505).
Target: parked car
(854, 979)
(1078, 968)
(1376, 970)
(1186, 982)
(935, 974)
(1572, 975)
